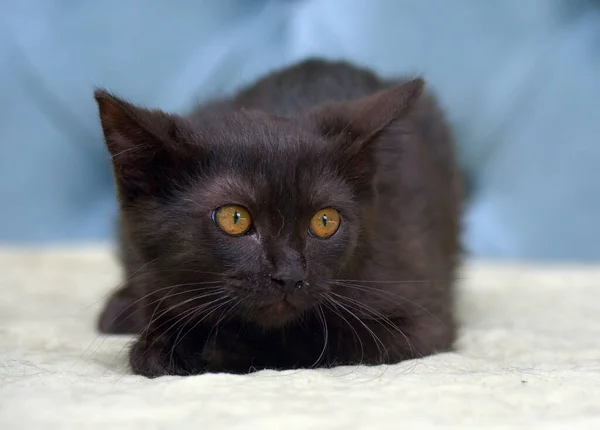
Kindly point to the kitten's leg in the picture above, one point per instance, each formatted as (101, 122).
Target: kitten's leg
(433, 335)
(160, 357)
(119, 315)
(228, 351)
(201, 350)
(395, 341)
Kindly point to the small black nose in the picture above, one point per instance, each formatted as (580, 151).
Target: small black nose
(289, 283)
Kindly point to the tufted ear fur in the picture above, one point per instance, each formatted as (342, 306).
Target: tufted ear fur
(149, 148)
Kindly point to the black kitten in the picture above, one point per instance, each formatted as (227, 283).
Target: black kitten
(312, 220)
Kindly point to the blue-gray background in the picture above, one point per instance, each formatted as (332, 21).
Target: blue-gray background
(520, 80)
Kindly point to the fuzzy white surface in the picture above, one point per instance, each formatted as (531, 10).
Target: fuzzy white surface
(528, 356)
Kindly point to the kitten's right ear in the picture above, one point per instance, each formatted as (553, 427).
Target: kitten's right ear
(126, 127)
(145, 145)
(354, 126)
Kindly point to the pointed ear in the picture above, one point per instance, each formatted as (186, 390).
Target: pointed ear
(356, 124)
(147, 146)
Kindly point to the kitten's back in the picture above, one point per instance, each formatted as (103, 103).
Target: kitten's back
(291, 91)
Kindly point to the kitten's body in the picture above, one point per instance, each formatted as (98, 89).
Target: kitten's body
(379, 291)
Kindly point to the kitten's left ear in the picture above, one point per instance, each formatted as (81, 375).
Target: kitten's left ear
(354, 125)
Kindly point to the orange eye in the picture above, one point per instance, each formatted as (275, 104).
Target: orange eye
(324, 223)
(232, 219)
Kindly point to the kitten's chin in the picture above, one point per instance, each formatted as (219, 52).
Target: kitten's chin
(277, 314)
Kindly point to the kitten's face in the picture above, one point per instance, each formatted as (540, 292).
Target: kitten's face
(268, 209)
(273, 217)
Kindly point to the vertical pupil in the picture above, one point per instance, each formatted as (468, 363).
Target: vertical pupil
(236, 217)
(324, 219)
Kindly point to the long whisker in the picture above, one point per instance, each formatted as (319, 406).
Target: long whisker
(152, 319)
(138, 310)
(180, 337)
(223, 317)
(120, 285)
(140, 273)
(389, 294)
(176, 270)
(323, 322)
(226, 314)
(378, 316)
(190, 311)
(360, 307)
(378, 341)
(171, 287)
(187, 315)
(332, 306)
(401, 281)
(211, 291)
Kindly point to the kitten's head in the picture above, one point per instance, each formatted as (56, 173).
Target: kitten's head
(266, 209)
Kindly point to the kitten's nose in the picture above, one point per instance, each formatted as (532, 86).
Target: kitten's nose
(289, 282)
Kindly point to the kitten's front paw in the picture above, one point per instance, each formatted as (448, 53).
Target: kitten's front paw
(158, 357)
(227, 353)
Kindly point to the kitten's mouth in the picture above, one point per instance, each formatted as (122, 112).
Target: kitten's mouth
(280, 306)
(278, 313)
(285, 305)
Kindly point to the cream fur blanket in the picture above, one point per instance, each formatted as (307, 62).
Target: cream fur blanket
(528, 357)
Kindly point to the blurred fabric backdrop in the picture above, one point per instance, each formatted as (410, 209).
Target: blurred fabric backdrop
(520, 80)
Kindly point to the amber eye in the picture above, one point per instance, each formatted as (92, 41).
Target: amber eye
(324, 223)
(232, 219)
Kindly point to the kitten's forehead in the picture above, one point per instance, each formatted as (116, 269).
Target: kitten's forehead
(261, 160)
(256, 133)
(282, 184)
